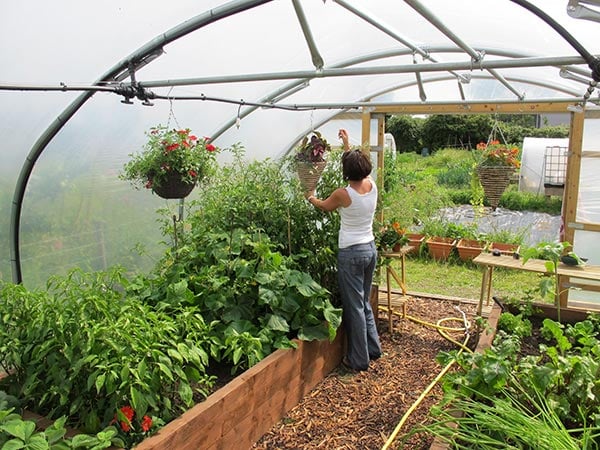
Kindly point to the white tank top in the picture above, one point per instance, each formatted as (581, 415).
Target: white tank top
(357, 219)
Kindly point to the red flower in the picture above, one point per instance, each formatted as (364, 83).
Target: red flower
(210, 147)
(172, 147)
(146, 423)
(128, 413)
(193, 138)
(193, 173)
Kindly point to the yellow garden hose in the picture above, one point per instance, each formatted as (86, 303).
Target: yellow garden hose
(443, 331)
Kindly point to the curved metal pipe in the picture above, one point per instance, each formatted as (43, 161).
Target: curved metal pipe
(137, 57)
(593, 62)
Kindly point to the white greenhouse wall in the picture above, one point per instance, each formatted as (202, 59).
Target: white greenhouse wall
(533, 165)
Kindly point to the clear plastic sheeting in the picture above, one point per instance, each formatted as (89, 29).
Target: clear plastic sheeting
(248, 76)
(543, 162)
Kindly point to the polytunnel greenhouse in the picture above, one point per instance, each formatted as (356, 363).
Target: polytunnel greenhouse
(84, 88)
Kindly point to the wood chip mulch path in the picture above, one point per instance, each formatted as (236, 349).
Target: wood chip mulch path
(361, 410)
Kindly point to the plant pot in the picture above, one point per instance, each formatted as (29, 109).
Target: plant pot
(494, 180)
(469, 249)
(505, 249)
(415, 240)
(309, 174)
(173, 187)
(440, 247)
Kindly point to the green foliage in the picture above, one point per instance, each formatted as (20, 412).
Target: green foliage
(549, 251)
(559, 387)
(506, 236)
(170, 150)
(519, 417)
(466, 131)
(457, 175)
(514, 324)
(83, 350)
(442, 228)
(441, 130)
(17, 433)
(266, 196)
(527, 201)
(245, 290)
(406, 131)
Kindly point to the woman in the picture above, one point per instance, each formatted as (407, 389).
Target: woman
(357, 254)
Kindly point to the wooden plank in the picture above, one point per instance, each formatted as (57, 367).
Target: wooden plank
(571, 194)
(587, 272)
(476, 108)
(238, 414)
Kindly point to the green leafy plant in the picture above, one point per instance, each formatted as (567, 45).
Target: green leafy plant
(507, 397)
(82, 349)
(519, 417)
(514, 324)
(389, 234)
(170, 150)
(551, 252)
(244, 289)
(443, 228)
(312, 149)
(17, 433)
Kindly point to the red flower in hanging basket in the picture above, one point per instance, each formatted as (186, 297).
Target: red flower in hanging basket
(497, 154)
(170, 151)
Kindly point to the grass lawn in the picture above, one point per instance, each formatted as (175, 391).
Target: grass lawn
(462, 280)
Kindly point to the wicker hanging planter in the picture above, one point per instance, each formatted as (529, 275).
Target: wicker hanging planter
(494, 180)
(309, 174)
(173, 186)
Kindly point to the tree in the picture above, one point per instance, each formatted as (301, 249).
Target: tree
(406, 131)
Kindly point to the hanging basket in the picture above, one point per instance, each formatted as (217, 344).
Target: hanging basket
(494, 180)
(173, 187)
(309, 174)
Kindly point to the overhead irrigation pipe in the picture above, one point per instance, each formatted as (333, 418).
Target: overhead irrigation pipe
(137, 59)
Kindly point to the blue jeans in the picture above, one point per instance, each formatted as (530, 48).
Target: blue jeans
(356, 266)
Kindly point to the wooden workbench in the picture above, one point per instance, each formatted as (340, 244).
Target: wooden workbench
(489, 261)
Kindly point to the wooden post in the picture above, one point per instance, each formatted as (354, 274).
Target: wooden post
(571, 194)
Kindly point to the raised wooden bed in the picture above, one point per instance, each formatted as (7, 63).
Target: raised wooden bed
(238, 414)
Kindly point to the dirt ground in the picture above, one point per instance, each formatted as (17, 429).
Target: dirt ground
(361, 410)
